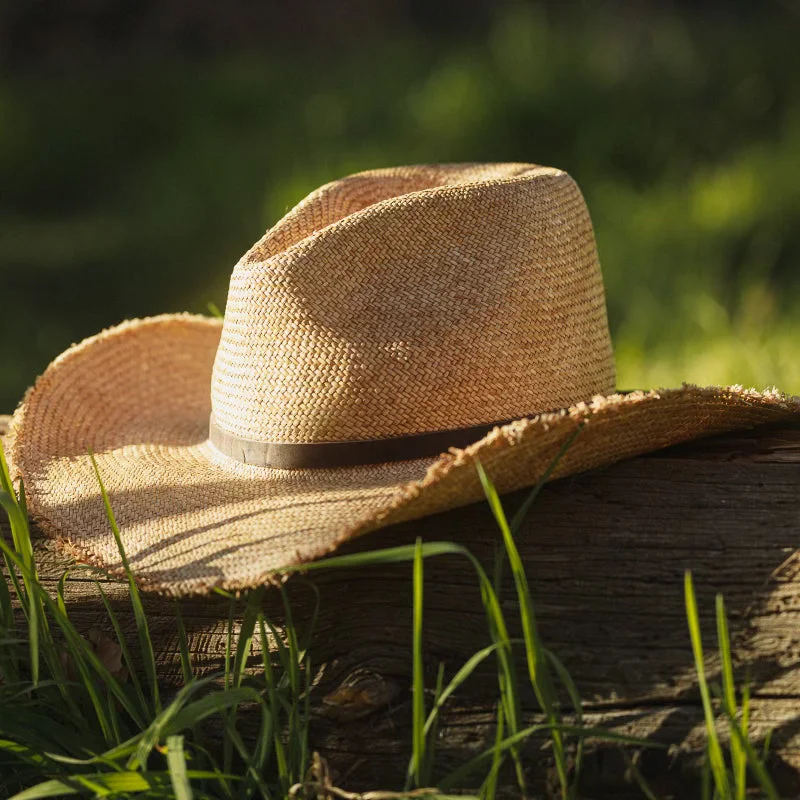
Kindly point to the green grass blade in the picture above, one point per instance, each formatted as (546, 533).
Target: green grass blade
(22, 543)
(283, 683)
(459, 776)
(273, 704)
(176, 763)
(293, 658)
(79, 650)
(765, 747)
(51, 788)
(756, 765)
(533, 650)
(23, 499)
(100, 783)
(494, 614)
(745, 723)
(114, 784)
(431, 732)
(577, 705)
(52, 656)
(19, 591)
(455, 682)
(515, 525)
(291, 650)
(24, 752)
(537, 665)
(418, 677)
(523, 510)
(227, 742)
(20, 529)
(244, 754)
(145, 642)
(113, 717)
(61, 591)
(308, 634)
(43, 727)
(123, 644)
(244, 643)
(261, 748)
(114, 754)
(738, 757)
(5, 476)
(489, 788)
(388, 555)
(84, 657)
(6, 608)
(506, 673)
(228, 674)
(246, 630)
(716, 758)
(159, 727)
(77, 647)
(304, 746)
(212, 703)
(183, 646)
(498, 568)
(638, 778)
(9, 660)
(15, 522)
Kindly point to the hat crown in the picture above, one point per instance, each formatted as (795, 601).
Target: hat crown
(403, 301)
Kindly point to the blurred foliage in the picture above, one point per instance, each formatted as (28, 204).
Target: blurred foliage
(132, 189)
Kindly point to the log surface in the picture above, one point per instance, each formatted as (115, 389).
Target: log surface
(605, 553)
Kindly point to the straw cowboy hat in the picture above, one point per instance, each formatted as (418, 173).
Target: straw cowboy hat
(392, 329)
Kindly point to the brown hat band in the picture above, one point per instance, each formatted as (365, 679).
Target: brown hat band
(321, 455)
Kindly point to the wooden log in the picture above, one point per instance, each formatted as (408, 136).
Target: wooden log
(605, 554)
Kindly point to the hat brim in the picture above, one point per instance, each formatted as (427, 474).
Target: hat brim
(137, 396)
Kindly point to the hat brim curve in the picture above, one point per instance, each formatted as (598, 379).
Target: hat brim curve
(191, 519)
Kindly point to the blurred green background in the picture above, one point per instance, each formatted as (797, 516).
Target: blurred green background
(144, 147)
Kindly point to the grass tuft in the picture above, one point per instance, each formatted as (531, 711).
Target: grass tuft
(728, 784)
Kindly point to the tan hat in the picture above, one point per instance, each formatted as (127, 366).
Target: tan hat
(388, 320)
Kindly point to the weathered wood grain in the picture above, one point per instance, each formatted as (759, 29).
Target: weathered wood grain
(605, 553)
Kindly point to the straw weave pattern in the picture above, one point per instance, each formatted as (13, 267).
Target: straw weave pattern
(391, 302)
(472, 301)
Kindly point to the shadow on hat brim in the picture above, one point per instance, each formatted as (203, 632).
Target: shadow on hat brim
(192, 520)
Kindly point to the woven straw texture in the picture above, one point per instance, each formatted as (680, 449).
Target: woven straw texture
(473, 301)
(389, 303)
